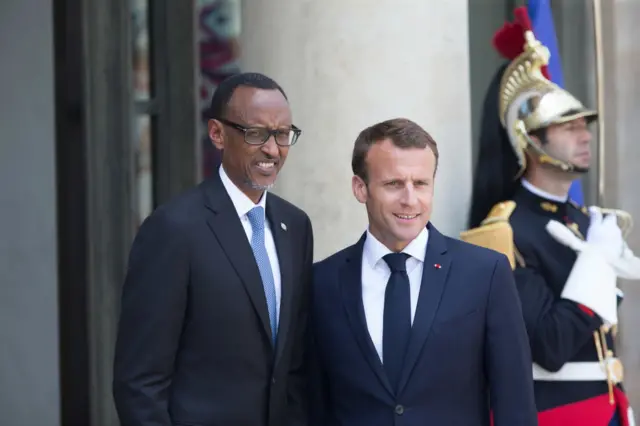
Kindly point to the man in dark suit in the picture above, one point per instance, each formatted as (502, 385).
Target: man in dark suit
(411, 327)
(215, 302)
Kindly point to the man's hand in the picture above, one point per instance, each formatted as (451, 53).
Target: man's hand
(605, 234)
(592, 281)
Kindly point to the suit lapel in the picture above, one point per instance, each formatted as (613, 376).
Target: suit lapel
(351, 289)
(282, 240)
(434, 275)
(226, 226)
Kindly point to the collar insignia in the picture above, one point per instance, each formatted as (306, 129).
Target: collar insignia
(549, 207)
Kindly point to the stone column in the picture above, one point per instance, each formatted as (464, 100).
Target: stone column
(29, 350)
(347, 64)
(622, 156)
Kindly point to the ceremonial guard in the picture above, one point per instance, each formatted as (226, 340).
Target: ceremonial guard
(535, 142)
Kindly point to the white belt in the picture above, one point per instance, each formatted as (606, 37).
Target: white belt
(572, 372)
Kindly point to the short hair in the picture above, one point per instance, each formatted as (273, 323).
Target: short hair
(541, 134)
(225, 90)
(402, 132)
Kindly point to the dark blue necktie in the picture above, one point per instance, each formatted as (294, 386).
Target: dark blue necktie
(397, 317)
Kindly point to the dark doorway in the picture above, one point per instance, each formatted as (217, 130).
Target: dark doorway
(71, 212)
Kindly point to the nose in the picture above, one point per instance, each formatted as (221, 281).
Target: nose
(583, 133)
(409, 196)
(270, 147)
(586, 136)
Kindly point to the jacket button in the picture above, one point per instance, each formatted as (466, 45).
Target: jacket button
(399, 410)
(273, 380)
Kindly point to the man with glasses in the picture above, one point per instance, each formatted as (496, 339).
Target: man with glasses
(214, 305)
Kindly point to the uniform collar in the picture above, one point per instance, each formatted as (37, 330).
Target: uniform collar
(542, 193)
(542, 202)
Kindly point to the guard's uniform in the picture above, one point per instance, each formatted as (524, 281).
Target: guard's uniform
(577, 377)
(566, 338)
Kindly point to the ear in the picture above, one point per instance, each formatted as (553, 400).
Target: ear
(359, 188)
(216, 133)
(536, 140)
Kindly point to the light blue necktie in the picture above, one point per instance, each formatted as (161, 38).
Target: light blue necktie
(256, 218)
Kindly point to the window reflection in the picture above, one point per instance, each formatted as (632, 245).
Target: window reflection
(219, 33)
(142, 123)
(144, 168)
(140, 60)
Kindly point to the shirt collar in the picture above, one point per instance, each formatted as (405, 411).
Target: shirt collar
(374, 250)
(240, 201)
(542, 193)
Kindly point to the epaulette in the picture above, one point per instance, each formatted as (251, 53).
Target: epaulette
(495, 232)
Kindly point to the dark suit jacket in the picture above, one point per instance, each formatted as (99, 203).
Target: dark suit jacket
(468, 351)
(194, 342)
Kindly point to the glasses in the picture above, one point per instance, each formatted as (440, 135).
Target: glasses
(260, 135)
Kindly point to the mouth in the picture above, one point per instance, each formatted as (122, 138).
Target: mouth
(406, 217)
(583, 157)
(266, 167)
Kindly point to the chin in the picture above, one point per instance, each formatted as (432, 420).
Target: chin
(262, 186)
(408, 235)
(581, 169)
(583, 162)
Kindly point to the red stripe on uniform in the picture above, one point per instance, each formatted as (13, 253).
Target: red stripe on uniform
(586, 310)
(623, 406)
(596, 411)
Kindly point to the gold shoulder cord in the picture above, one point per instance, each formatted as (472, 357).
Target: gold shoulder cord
(612, 365)
(519, 258)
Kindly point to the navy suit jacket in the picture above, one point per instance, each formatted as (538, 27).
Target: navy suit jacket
(194, 344)
(468, 352)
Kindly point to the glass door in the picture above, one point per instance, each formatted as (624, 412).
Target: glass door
(166, 116)
(218, 33)
(145, 109)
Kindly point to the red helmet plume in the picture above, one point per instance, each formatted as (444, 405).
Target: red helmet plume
(509, 40)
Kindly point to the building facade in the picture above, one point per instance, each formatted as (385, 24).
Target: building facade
(110, 95)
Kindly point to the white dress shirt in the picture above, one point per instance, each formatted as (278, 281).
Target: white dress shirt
(243, 205)
(376, 273)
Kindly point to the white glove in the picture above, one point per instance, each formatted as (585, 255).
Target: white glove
(592, 280)
(627, 266)
(605, 233)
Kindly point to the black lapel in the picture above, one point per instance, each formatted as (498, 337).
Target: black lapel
(226, 225)
(434, 275)
(281, 236)
(351, 287)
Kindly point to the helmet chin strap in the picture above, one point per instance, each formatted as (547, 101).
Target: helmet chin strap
(545, 158)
